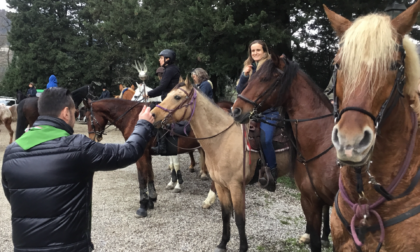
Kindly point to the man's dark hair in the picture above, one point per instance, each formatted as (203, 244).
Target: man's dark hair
(53, 101)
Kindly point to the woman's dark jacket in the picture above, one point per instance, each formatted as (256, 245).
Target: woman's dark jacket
(169, 80)
(49, 186)
(206, 88)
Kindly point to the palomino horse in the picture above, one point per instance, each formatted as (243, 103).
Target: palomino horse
(123, 114)
(280, 82)
(376, 136)
(28, 108)
(6, 119)
(126, 93)
(221, 139)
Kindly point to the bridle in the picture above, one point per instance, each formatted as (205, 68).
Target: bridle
(190, 101)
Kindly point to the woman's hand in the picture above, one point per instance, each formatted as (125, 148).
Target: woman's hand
(247, 70)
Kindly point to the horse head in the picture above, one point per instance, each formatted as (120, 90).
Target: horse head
(373, 59)
(95, 121)
(260, 93)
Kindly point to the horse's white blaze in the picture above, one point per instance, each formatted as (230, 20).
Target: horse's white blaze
(209, 201)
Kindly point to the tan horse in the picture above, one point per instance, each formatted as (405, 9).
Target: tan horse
(224, 155)
(384, 150)
(128, 94)
(6, 119)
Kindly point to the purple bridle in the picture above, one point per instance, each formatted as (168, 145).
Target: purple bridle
(190, 101)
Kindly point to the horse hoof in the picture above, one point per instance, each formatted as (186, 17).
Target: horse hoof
(150, 205)
(325, 244)
(191, 170)
(141, 213)
(206, 206)
(169, 187)
(305, 239)
(204, 177)
(219, 250)
(176, 190)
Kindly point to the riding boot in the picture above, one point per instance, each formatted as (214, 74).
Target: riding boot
(161, 147)
(268, 178)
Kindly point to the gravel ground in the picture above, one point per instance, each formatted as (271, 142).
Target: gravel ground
(178, 223)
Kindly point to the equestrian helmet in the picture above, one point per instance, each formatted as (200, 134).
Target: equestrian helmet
(167, 53)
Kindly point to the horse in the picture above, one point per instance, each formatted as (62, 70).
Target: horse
(280, 82)
(141, 90)
(376, 111)
(28, 108)
(123, 114)
(221, 139)
(13, 110)
(126, 93)
(20, 96)
(6, 119)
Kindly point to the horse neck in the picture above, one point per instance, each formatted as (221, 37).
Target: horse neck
(388, 155)
(313, 137)
(79, 94)
(209, 120)
(108, 109)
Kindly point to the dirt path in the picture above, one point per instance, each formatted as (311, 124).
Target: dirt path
(178, 223)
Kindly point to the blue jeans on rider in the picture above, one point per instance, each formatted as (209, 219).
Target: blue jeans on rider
(267, 134)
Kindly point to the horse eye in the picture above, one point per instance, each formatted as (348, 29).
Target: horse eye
(177, 97)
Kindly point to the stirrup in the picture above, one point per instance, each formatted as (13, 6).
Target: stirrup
(266, 179)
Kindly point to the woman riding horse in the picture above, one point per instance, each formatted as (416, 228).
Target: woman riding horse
(169, 79)
(201, 79)
(257, 55)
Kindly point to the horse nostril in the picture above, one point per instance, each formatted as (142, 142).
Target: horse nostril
(367, 137)
(153, 114)
(237, 111)
(335, 136)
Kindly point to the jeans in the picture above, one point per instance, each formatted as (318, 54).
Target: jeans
(267, 134)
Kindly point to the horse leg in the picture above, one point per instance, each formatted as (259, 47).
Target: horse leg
(226, 203)
(151, 185)
(237, 194)
(312, 209)
(142, 176)
(305, 238)
(192, 165)
(326, 226)
(8, 124)
(170, 167)
(203, 172)
(170, 185)
(178, 177)
(211, 197)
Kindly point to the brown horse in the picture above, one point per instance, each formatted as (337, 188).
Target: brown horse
(223, 148)
(280, 82)
(123, 114)
(376, 136)
(128, 93)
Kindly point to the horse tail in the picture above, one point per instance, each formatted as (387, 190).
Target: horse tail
(22, 122)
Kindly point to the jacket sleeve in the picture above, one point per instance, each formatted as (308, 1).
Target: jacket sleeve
(243, 82)
(102, 157)
(164, 82)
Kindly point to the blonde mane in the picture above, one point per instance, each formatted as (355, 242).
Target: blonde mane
(367, 51)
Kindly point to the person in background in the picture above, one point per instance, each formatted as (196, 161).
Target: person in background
(105, 93)
(201, 79)
(52, 82)
(47, 175)
(159, 72)
(31, 90)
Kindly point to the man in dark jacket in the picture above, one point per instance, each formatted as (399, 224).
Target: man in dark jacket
(170, 77)
(105, 94)
(31, 90)
(169, 80)
(47, 176)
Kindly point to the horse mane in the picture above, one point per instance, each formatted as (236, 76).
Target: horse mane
(291, 71)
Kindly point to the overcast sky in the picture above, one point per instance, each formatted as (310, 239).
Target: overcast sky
(3, 5)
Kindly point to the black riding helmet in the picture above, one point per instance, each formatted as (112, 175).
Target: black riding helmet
(167, 53)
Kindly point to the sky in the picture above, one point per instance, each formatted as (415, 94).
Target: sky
(3, 5)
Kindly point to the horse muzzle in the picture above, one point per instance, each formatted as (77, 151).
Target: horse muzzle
(240, 117)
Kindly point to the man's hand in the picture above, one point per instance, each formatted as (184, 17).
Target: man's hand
(146, 115)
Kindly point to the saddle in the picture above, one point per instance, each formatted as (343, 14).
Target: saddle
(280, 139)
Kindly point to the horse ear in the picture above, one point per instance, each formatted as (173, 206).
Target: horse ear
(121, 87)
(133, 87)
(404, 22)
(339, 23)
(187, 81)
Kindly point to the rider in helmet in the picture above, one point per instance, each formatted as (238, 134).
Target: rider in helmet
(169, 80)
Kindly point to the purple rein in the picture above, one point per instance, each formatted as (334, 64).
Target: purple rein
(189, 101)
(363, 211)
